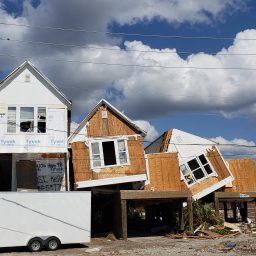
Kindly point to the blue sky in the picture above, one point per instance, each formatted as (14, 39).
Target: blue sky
(218, 104)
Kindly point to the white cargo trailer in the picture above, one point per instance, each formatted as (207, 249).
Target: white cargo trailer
(43, 219)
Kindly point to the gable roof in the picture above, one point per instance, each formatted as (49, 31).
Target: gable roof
(27, 64)
(164, 139)
(113, 109)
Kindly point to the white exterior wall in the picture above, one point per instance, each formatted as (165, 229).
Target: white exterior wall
(19, 93)
(192, 145)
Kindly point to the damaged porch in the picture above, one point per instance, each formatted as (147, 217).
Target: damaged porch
(157, 209)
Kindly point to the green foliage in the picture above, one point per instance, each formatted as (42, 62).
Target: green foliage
(203, 213)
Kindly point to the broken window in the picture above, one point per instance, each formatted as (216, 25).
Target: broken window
(27, 119)
(187, 175)
(41, 120)
(109, 153)
(196, 169)
(11, 123)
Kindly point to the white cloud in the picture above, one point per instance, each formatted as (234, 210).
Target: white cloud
(142, 92)
(236, 148)
(151, 131)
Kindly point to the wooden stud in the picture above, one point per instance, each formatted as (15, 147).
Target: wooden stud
(181, 216)
(190, 213)
(124, 219)
(217, 205)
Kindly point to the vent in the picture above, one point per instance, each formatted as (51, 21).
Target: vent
(104, 114)
(27, 78)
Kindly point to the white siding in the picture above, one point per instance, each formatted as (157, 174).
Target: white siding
(19, 93)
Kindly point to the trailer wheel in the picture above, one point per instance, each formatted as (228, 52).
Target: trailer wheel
(35, 244)
(52, 243)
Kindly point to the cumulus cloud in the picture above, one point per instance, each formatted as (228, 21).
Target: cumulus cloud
(151, 131)
(236, 148)
(143, 92)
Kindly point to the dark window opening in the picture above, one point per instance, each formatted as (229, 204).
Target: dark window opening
(27, 126)
(208, 169)
(109, 153)
(193, 164)
(198, 174)
(203, 159)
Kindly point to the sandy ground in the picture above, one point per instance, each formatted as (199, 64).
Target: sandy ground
(244, 245)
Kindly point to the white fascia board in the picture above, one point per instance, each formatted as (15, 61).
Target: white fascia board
(213, 188)
(111, 181)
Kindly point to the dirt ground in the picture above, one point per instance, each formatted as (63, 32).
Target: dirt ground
(161, 246)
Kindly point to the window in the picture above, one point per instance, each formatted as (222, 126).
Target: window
(41, 120)
(109, 153)
(196, 169)
(27, 119)
(11, 122)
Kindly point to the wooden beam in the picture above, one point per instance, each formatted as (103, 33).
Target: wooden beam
(190, 213)
(236, 195)
(124, 219)
(181, 216)
(143, 194)
(217, 205)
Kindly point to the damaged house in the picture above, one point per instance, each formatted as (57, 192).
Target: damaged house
(108, 158)
(195, 164)
(107, 149)
(34, 126)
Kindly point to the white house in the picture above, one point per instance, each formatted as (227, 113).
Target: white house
(34, 126)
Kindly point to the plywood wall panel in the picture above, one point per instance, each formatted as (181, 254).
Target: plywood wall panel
(113, 125)
(164, 173)
(244, 172)
(218, 163)
(83, 171)
(81, 162)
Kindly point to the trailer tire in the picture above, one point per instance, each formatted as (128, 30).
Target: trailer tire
(52, 243)
(35, 244)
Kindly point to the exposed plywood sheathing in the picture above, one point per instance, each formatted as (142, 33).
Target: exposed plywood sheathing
(244, 172)
(81, 162)
(166, 141)
(115, 125)
(164, 173)
(83, 171)
(204, 184)
(52, 155)
(218, 163)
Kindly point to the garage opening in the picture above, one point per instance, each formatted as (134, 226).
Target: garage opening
(5, 172)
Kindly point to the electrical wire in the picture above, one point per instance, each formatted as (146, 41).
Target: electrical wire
(145, 141)
(124, 34)
(127, 65)
(119, 49)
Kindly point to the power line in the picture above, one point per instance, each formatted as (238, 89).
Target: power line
(128, 65)
(124, 34)
(180, 144)
(120, 49)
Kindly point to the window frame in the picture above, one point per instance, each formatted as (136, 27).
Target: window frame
(116, 148)
(18, 119)
(201, 166)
